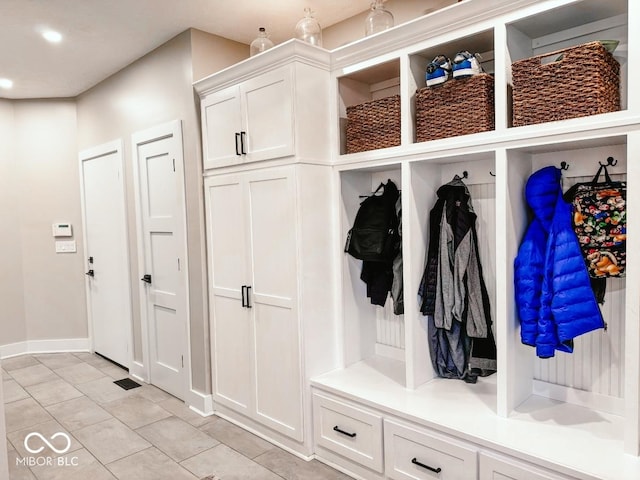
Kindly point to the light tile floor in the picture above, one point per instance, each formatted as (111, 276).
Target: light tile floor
(139, 434)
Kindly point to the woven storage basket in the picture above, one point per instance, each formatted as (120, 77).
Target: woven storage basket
(457, 107)
(585, 81)
(373, 125)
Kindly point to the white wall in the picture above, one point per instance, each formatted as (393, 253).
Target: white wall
(12, 317)
(42, 292)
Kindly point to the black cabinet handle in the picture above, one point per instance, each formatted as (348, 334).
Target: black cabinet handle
(90, 273)
(146, 278)
(248, 297)
(237, 137)
(244, 303)
(242, 135)
(416, 462)
(337, 429)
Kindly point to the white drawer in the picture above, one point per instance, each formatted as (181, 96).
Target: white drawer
(412, 454)
(348, 430)
(497, 467)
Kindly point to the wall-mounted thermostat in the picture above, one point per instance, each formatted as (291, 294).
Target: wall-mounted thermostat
(62, 230)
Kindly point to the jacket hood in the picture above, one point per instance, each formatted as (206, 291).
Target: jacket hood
(543, 191)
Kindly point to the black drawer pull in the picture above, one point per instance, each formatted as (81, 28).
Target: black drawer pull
(337, 429)
(237, 137)
(416, 462)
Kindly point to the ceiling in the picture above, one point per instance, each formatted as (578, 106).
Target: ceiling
(101, 37)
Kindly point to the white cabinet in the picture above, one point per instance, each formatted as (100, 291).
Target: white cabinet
(414, 454)
(268, 296)
(269, 107)
(249, 122)
(351, 431)
(256, 352)
(498, 467)
(268, 197)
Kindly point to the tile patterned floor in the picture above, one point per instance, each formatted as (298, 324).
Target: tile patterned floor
(139, 434)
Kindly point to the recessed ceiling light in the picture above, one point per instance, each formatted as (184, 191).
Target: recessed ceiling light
(52, 36)
(5, 83)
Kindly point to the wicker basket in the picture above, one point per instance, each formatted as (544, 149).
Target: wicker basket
(373, 125)
(584, 81)
(457, 107)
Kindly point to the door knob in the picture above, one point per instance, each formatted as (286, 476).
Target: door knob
(146, 278)
(90, 273)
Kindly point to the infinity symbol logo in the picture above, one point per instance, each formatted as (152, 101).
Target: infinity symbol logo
(54, 436)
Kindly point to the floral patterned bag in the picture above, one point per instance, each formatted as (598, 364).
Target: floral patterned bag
(600, 223)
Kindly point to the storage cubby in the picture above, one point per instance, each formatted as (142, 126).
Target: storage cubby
(373, 334)
(361, 85)
(584, 390)
(426, 177)
(481, 42)
(569, 25)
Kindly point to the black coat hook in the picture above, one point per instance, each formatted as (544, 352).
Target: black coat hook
(611, 162)
(491, 173)
(564, 166)
(465, 174)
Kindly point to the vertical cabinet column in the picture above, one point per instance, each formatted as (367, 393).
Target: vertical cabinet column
(252, 254)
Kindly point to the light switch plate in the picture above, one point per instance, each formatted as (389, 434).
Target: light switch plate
(67, 246)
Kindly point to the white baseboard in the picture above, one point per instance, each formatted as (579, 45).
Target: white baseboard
(200, 403)
(45, 346)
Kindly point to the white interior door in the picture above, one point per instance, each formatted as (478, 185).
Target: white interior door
(158, 158)
(228, 274)
(108, 287)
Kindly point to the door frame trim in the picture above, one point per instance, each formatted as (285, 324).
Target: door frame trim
(159, 132)
(117, 147)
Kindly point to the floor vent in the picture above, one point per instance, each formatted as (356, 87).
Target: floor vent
(127, 383)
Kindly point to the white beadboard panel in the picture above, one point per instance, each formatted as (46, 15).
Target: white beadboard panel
(597, 362)
(483, 197)
(390, 327)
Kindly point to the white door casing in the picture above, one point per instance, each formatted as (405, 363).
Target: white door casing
(161, 221)
(106, 250)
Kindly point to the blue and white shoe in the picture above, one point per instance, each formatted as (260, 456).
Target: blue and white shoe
(466, 64)
(438, 71)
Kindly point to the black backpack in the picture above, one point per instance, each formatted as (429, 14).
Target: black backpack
(374, 236)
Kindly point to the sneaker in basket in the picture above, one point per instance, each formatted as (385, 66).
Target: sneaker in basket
(466, 64)
(438, 71)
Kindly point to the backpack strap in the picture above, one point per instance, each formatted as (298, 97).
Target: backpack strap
(607, 178)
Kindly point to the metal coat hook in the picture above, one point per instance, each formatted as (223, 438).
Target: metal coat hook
(611, 162)
(564, 166)
(491, 173)
(465, 174)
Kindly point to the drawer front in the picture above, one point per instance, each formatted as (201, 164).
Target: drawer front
(412, 454)
(497, 467)
(348, 430)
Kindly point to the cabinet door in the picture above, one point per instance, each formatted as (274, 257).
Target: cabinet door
(268, 111)
(497, 467)
(228, 272)
(221, 124)
(278, 385)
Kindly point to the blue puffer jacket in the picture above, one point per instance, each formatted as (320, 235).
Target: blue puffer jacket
(553, 292)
